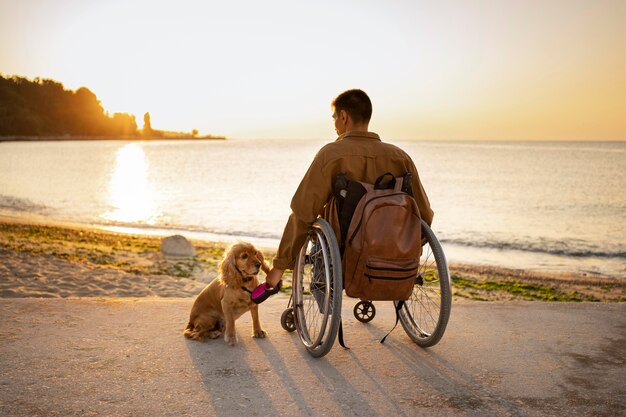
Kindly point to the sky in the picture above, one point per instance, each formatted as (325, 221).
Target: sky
(486, 70)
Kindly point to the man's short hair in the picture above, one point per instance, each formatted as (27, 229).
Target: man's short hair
(356, 103)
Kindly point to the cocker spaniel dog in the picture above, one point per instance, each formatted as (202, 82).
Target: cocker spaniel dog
(224, 300)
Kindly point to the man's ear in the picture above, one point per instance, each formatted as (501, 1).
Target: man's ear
(346, 120)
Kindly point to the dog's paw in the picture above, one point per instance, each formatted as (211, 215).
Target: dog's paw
(231, 340)
(194, 336)
(259, 333)
(214, 334)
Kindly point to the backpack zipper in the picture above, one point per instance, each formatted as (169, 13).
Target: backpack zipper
(371, 277)
(375, 268)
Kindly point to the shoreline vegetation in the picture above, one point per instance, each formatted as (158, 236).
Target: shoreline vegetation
(49, 260)
(42, 109)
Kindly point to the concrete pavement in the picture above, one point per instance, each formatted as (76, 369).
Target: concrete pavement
(64, 357)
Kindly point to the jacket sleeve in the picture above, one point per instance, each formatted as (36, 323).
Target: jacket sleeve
(420, 196)
(306, 205)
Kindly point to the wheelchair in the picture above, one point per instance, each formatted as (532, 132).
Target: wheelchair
(314, 308)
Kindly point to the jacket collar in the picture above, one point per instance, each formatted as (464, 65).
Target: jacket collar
(353, 134)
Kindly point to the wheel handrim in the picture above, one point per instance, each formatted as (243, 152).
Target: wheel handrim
(312, 299)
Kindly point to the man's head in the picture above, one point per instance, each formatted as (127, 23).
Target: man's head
(352, 110)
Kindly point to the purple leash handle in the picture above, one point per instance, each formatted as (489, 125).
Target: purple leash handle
(263, 292)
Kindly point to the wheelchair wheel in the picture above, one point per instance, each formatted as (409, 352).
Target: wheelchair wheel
(364, 311)
(425, 315)
(317, 290)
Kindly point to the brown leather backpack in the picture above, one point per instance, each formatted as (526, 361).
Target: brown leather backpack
(379, 230)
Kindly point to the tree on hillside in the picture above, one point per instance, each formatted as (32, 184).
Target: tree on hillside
(124, 125)
(46, 108)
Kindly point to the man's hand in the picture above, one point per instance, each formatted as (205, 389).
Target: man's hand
(274, 276)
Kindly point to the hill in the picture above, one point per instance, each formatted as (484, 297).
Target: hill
(43, 108)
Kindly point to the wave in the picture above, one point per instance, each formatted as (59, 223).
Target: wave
(199, 230)
(577, 249)
(21, 204)
(571, 248)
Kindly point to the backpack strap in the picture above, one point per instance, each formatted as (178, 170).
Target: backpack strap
(403, 183)
(380, 183)
(399, 184)
(407, 183)
(341, 342)
(398, 308)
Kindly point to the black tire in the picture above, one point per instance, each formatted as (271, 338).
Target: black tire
(425, 315)
(364, 311)
(287, 321)
(317, 290)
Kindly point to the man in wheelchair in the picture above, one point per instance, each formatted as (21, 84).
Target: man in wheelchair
(358, 153)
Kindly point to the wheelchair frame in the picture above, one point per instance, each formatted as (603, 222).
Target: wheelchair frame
(314, 308)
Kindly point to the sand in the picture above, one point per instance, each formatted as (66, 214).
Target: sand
(52, 261)
(60, 260)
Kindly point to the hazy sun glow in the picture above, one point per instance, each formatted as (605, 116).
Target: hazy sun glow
(129, 190)
(553, 69)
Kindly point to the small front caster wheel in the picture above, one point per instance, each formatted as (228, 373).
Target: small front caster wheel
(286, 320)
(364, 311)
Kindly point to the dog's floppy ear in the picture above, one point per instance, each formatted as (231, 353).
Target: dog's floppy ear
(264, 265)
(228, 268)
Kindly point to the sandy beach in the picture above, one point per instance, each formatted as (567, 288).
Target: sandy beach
(59, 260)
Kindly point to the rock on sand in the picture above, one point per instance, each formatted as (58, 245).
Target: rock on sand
(177, 245)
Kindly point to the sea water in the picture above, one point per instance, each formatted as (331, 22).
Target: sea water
(547, 206)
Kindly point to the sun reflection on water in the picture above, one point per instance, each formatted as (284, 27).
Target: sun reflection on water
(130, 192)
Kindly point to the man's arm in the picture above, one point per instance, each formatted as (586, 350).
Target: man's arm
(274, 276)
(306, 205)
